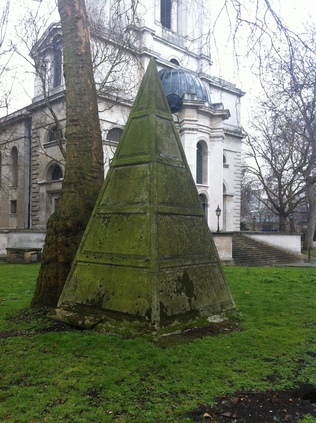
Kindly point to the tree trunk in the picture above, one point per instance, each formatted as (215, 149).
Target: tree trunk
(282, 223)
(308, 240)
(84, 159)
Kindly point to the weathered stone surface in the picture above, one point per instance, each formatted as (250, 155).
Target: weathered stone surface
(147, 253)
(23, 255)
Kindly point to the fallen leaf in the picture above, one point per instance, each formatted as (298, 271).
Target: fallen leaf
(207, 416)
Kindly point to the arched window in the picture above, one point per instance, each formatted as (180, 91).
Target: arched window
(54, 172)
(55, 134)
(14, 167)
(201, 163)
(114, 134)
(225, 164)
(203, 202)
(57, 173)
(165, 13)
(57, 61)
(175, 62)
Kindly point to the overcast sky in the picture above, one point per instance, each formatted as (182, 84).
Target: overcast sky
(294, 13)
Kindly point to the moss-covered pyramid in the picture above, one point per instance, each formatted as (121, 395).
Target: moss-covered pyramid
(147, 257)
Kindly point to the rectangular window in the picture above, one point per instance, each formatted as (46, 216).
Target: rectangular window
(165, 13)
(57, 68)
(14, 167)
(199, 164)
(13, 206)
(57, 61)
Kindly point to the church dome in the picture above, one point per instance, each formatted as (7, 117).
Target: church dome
(180, 82)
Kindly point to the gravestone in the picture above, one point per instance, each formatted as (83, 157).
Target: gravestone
(147, 260)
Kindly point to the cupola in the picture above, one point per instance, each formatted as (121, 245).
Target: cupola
(180, 82)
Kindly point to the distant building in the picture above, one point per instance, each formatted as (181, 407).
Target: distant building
(207, 109)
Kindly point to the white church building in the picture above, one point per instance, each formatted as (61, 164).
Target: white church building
(206, 109)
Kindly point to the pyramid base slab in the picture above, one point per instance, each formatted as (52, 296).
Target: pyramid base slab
(86, 317)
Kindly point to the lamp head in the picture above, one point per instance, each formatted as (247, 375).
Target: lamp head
(218, 211)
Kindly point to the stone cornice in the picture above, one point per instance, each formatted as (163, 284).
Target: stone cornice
(237, 131)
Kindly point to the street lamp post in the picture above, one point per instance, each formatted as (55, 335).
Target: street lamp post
(218, 213)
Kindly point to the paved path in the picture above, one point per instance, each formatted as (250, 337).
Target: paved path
(304, 262)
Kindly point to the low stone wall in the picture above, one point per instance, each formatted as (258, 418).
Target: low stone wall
(23, 238)
(14, 238)
(3, 242)
(30, 239)
(224, 245)
(287, 242)
(24, 255)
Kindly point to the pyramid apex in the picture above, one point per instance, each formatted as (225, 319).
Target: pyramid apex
(151, 97)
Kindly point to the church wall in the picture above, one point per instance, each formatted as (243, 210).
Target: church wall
(197, 122)
(216, 177)
(15, 171)
(230, 100)
(232, 181)
(187, 20)
(200, 127)
(237, 191)
(195, 127)
(184, 15)
(111, 116)
(45, 154)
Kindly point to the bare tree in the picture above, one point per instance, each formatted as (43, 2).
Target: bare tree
(30, 34)
(4, 17)
(289, 134)
(5, 55)
(274, 166)
(116, 42)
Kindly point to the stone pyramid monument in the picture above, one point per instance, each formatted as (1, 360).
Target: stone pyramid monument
(147, 259)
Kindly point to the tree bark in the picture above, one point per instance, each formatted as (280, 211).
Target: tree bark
(84, 157)
(282, 223)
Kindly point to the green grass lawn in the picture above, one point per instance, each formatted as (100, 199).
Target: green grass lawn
(86, 376)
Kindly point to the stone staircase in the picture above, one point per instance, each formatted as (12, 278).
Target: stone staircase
(249, 252)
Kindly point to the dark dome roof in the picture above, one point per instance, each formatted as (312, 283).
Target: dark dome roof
(180, 82)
